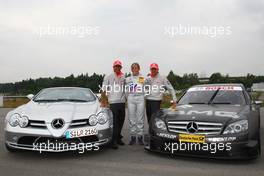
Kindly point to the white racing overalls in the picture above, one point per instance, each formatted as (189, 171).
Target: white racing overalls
(136, 104)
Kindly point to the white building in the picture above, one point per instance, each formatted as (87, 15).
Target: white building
(258, 87)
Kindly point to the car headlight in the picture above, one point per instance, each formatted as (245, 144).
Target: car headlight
(16, 120)
(23, 122)
(160, 124)
(237, 127)
(93, 120)
(102, 118)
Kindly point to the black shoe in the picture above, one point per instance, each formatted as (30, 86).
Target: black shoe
(132, 140)
(140, 140)
(114, 146)
(120, 142)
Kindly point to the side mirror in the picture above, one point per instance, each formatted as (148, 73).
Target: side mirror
(258, 102)
(30, 96)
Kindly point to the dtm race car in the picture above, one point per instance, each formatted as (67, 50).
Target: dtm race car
(218, 121)
(59, 119)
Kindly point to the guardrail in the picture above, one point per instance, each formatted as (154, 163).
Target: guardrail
(13, 101)
(1, 101)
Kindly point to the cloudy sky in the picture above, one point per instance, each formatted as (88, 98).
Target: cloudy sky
(143, 31)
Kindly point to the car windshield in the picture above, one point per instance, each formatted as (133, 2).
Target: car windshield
(65, 94)
(218, 95)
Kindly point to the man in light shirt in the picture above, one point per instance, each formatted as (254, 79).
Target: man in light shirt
(113, 85)
(158, 84)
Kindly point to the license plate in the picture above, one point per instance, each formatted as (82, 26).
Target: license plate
(75, 133)
(191, 138)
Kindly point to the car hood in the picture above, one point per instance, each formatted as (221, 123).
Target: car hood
(67, 111)
(208, 113)
(48, 112)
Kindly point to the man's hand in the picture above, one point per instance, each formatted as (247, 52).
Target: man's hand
(104, 105)
(174, 105)
(104, 100)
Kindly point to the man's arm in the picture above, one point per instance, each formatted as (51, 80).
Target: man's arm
(126, 87)
(104, 98)
(105, 84)
(169, 87)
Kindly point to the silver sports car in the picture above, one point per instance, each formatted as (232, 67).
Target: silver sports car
(59, 119)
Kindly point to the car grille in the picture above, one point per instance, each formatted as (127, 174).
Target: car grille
(37, 124)
(79, 123)
(29, 140)
(58, 140)
(204, 128)
(42, 124)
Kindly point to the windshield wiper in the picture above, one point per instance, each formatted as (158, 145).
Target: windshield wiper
(60, 100)
(44, 100)
(196, 103)
(213, 96)
(221, 103)
(73, 100)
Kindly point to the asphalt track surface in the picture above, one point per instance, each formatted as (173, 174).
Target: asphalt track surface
(126, 161)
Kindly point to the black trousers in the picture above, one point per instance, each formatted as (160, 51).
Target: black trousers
(152, 106)
(119, 112)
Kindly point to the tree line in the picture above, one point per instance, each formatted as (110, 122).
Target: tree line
(188, 80)
(93, 81)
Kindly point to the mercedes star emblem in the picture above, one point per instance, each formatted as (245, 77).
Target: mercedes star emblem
(57, 123)
(192, 127)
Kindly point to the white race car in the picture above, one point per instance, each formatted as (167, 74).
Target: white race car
(59, 119)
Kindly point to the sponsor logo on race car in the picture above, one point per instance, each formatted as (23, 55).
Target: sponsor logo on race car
(207, 113)
(214, 88)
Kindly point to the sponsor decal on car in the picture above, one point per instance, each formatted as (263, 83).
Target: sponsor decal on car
(192, 138)
(166, 135)
(207, 113)
(214, 88)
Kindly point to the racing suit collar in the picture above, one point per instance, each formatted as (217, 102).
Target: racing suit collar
(135, 75)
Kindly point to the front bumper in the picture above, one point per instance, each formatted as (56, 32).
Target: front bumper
(48, 143)
(235, 147)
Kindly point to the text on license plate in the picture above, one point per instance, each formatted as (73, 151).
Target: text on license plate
(74, 133)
